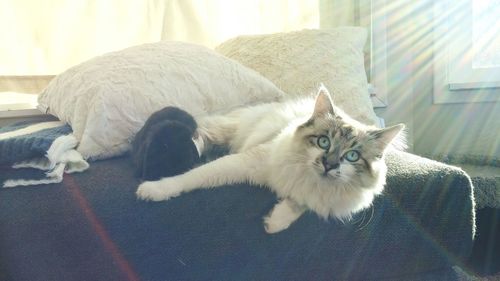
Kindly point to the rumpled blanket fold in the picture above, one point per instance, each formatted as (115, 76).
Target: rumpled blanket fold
(48, 146)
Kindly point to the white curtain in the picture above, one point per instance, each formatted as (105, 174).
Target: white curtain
(345, 12)
(46, 37)
(348, 12)
(39, 39)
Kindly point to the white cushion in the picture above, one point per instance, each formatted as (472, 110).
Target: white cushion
(298, 62)
(107, 99)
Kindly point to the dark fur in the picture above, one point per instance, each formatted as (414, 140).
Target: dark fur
(164, 147)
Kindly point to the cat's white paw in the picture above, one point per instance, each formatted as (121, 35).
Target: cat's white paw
(273, 225)
(157, 191)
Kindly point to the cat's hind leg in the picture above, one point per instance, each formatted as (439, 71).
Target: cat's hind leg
(233, 168)
(282, 215)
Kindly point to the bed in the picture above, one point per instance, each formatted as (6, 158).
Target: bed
(92, 227)
(87, 224)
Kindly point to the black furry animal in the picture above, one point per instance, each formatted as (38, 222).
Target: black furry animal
(164, 146)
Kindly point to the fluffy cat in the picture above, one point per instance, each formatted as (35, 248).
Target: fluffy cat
(164, 146)
(309, 152)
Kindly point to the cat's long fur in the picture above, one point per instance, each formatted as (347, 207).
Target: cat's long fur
(278, 145)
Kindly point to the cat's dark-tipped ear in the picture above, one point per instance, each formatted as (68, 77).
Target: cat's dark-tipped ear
(324, 103)
(383, 137)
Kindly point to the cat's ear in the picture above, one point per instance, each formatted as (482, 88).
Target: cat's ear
(324, 103)
(383, 137)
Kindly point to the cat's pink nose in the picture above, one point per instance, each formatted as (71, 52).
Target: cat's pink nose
(329, 166)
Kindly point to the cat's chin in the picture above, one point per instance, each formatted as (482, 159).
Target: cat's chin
(333, 180)
(329, 176)
(328, 181)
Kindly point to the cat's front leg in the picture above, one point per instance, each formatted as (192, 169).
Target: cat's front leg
(283, 215)
(160, 190)
(235, 168)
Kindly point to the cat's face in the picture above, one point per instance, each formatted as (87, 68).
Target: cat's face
(341, 151)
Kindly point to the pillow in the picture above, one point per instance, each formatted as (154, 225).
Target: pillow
(107, 99)
(298, 62)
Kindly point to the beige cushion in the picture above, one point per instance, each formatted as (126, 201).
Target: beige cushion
(298, 62)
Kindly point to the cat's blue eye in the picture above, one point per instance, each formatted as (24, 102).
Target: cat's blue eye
(323, 142)
(352, 156)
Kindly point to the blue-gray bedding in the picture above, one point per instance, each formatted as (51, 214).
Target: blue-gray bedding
(48, 146)
(92, 227)
(30, 144)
